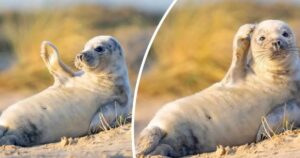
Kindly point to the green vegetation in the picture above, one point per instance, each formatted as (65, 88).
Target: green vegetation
(193, 48)
(68, 29)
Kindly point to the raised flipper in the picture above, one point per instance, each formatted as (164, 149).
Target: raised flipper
(241, 44)
(60, 71)
(108, 116)
(284, 117)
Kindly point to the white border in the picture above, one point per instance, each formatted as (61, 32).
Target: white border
(140, 74)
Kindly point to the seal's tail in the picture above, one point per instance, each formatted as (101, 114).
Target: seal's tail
(149, 139)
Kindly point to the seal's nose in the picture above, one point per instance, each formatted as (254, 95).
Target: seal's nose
(81, 56)
(277, 45)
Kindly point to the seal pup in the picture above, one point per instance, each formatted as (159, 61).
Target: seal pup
(78, 102)
(225, 113)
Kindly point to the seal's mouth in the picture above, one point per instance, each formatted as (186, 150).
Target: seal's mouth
(283, 53)
(279, 54)
(278, 49)
(85, 59)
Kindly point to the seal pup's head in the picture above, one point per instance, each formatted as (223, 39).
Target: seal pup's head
(101, 54)
(102, 60)
(273, 47)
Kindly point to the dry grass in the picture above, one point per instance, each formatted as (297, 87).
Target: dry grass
(193, 47)
(120, 121)
(68, 29)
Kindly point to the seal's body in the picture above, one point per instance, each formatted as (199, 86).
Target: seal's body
(77, 103)
(229, 112)
(216, 116)
(51, 114)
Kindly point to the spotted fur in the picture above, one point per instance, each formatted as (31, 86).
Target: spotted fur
(229, 112)
(72, 106)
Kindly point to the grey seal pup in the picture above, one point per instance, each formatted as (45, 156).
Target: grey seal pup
(78, 103)
(263, 75)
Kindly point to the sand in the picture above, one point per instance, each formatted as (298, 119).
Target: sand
(286, 145)
(114, 143)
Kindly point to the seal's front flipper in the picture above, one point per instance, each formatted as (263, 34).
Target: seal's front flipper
(101, 122)
(109, 116)
(60, 71)
(241, 44)
(282, 118)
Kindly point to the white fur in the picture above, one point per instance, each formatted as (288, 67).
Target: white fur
(68, 107)
(227, 113)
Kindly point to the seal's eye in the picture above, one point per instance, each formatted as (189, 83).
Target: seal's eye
(262, 38)
(285, 34)
(99, 49)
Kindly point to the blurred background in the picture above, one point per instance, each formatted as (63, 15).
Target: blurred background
(68, 24)
(193, 48)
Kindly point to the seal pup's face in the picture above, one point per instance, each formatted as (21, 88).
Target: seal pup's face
(101, 53)
(273, 41)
